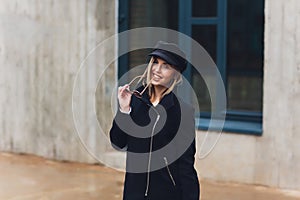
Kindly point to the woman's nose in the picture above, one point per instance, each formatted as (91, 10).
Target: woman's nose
(157, 68)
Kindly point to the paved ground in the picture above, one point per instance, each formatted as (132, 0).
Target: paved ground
(24, 177)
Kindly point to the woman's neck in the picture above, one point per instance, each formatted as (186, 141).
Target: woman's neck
(157, 94)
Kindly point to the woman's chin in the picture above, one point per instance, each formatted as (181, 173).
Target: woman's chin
(158, 84)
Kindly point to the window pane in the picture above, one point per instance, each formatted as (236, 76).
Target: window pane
(204, 8)
(153, 13)
(205, 35)
(201, 91)
(245, 54)
(244, 93)
(150, 13)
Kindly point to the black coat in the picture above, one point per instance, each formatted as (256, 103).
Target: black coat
(167, 173)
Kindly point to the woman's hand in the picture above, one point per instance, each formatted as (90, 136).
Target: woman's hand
(124, 98)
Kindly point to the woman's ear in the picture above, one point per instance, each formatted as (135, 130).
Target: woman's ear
(176, 75)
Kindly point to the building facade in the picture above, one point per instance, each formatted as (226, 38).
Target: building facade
(255, 44)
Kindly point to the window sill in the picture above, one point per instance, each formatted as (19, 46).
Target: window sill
(232, 126)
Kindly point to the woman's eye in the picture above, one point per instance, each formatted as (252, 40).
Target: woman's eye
(165, 66)
(154, 64)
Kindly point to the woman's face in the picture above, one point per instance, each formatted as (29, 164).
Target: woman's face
(162, 73)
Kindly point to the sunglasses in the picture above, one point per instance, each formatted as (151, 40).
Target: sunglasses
(135, 92)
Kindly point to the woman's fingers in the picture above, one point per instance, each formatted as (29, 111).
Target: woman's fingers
(123, 90)
(124, 97)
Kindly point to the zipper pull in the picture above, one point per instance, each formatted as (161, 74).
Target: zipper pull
(166, 160)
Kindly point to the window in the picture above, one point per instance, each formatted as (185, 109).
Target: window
(232, 33)
(145, 13)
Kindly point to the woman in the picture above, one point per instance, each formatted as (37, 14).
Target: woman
(157, 130)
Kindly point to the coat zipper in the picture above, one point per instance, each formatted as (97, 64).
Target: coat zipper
(150, 153)
(167, 165)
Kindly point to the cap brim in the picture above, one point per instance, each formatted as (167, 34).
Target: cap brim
(164, 57)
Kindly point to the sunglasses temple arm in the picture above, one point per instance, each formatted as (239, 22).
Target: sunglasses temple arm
(146, 87)
(129, 91)
(141, 77)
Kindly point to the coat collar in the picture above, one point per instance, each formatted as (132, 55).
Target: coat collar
(167, 101)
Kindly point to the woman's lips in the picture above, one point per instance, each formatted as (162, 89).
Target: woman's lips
(156, 77)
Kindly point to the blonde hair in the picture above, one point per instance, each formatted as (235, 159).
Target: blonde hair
(146, 77)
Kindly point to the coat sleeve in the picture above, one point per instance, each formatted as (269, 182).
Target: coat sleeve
(189, 183)
(117, 134)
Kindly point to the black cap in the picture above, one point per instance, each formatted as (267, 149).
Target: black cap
(171, 53)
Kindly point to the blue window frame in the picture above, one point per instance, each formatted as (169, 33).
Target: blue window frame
(232, 32)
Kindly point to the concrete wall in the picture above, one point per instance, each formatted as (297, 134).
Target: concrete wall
(274, 158)
(42, 44)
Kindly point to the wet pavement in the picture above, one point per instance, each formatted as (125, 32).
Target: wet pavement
(27, 177)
